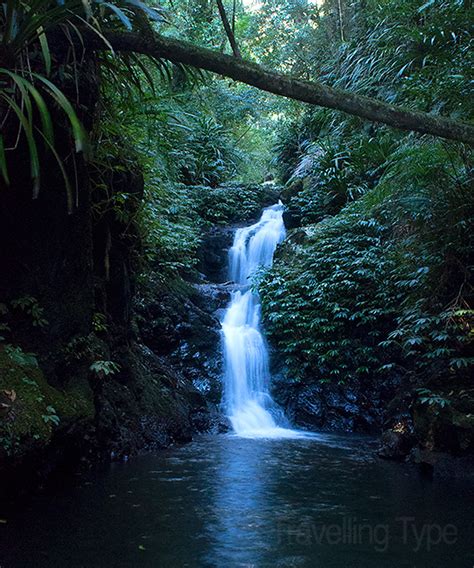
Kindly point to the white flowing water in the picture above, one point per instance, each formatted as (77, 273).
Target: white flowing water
(248, 403)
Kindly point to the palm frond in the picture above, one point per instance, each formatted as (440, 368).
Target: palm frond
(28, 88)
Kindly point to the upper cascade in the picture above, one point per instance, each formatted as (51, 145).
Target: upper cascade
(255, 246)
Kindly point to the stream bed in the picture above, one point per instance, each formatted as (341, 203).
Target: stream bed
(224, 501)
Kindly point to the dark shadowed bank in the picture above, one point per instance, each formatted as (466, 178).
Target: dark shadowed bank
(106, 357)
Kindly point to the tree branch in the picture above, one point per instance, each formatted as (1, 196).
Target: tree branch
(234, 11)
(228, 30)
(315, 93)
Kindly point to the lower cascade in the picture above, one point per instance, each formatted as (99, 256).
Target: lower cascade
(249, 406)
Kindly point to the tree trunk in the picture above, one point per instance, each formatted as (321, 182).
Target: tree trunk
(228, 30)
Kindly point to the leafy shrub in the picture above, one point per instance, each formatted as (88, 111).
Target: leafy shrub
(207, 155)
(104, 368)
(326, 302)
(385, 283)
(412, 310)
(429, 200)
(232, 202)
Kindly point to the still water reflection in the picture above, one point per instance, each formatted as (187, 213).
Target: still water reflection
(224, 501)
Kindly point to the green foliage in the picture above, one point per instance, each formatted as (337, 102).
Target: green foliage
(426, 396)
(32, 308)
(207, 156)
(27, 72)
(27, 310)
(104, 368)
(335, 174)
(386, 283)
(432, 210)
(409, 51)
(189, 141)
(51, 416)
(19, 357)
(232, 202)
(287, 24)
(170, 228)
(173, 217)
(379, 277)
(22, 98)
(327, 302)
(99, 322)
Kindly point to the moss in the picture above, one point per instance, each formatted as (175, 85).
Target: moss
(31, 409)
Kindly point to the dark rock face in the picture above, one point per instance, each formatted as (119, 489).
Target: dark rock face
(213, 253)
(447, 427)
(148, 408)
(438, 437)
(435, 431)
(187, 336)
(46, 254)
(75, 266)
(183, 327)
(329, 406)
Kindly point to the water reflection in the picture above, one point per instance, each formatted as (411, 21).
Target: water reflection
(243, 488)
(226, 502)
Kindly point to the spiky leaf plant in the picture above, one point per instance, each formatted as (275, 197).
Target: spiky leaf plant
(28, 91)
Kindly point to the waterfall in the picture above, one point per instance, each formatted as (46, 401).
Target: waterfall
(248, 403)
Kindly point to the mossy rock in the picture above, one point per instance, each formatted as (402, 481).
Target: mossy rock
(31, 410)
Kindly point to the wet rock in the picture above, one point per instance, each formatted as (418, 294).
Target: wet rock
(213, 253)
(213, 297)
(358, 407)
(395, 445)
(183, 327)
(311, 410)
(149, 409)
